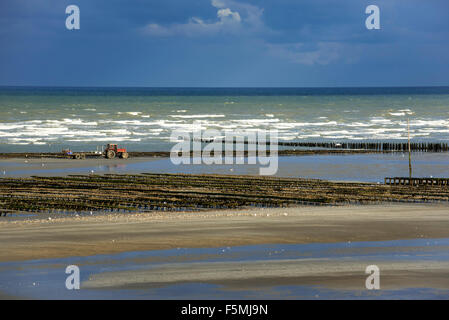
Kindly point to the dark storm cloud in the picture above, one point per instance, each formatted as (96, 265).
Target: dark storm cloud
(224, 43)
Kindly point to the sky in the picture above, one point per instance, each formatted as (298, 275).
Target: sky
(224, 43)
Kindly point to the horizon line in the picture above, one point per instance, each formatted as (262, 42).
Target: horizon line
(223, 87)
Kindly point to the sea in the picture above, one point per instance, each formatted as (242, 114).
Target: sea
(48, 119)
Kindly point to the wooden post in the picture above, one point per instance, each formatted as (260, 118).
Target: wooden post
(409, 151)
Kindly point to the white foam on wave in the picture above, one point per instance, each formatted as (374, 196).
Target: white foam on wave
(340, 137)
(381, 120)
(132, 122)
(198, 116)
(397, 114)
(283, 125)
(315, 135)
(5, 134)
(431, 123)
(105, 139)
(19, 125)
(333, 132)
(313, 124)
(255, 121)
(129, 127)
(407, 111)
(287, 138)
(359, 124)
(10, 126)
(68, 121)
(433, 130)
(22, 141)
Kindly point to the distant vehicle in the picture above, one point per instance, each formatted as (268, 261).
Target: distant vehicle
(74, 155)
(111, 151)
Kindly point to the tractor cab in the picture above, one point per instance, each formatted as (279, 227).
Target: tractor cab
(112, 150)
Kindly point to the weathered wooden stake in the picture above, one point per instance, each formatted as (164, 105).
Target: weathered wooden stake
(409, 152)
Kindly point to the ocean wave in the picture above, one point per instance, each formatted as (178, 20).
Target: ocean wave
(255, 121)
(397, 114)
(198, 116)
(381, 120)
(138, 126)
(432, 123)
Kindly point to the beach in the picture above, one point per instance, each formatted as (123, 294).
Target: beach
(216, 236)
(41, 238)
(133, 254)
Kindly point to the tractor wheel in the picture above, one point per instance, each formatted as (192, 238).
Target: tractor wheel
(77, 156)
(124, 155)
(110, 154)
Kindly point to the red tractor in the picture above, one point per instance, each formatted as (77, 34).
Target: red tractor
(111, 151)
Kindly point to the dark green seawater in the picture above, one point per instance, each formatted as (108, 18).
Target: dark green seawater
(142, 119)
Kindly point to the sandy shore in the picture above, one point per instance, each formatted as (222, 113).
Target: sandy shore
(53, 237)
(336, 274)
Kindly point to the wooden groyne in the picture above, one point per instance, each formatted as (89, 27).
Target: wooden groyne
(377, 146)
(180, 192)
(395, 181)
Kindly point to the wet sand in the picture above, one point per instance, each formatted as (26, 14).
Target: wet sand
(335, 274)
(53, 236)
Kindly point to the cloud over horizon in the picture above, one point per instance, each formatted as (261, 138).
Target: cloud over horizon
(224, 43)
(231, 22)
(227, 22)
